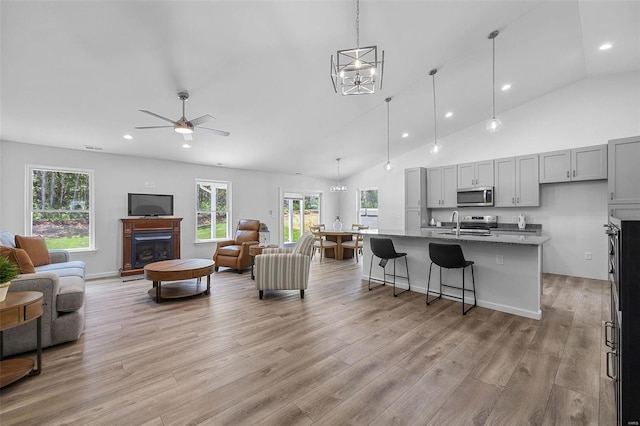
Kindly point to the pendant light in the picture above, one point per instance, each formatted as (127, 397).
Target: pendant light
(388, 166)
(339, 187)
(494, 124)
(435, 148)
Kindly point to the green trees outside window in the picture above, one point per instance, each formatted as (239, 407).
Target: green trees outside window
(212, 210)
(61, 207)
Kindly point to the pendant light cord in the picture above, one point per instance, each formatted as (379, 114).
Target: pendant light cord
(435, 132)
(358, 24)
(493, 40)
(388, 131)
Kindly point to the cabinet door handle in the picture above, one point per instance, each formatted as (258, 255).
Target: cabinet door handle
(513, 200)
(567, 173)
(574, 173)
(608, 364)
(607, 340)
(518, 200)
(612, 195)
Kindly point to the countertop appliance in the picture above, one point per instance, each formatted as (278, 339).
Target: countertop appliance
(622, 333)
(475, 197)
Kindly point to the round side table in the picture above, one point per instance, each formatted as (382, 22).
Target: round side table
(19, 308)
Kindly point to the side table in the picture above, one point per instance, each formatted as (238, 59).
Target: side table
(254, 251)
(19, 308)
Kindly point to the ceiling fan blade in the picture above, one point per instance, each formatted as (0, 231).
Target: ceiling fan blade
(187, 136)
(156, 115)
(203, 119)
(219, 132)
(154, 127)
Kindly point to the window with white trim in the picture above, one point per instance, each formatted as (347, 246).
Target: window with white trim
(368, 207)
(60, 206)
(213, 207)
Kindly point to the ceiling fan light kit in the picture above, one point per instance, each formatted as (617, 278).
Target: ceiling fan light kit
(356, 70)
(183, 126)
(494, 124)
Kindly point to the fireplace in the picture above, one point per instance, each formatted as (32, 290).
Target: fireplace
(151, 246)
(146, 240)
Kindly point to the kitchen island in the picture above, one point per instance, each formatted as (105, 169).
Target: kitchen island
(508, 268)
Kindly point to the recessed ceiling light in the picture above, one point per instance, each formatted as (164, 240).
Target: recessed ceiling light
(506, 87)
(405, 135)
(128, 137)
(449, 114)
(606, 46)
(186, 145)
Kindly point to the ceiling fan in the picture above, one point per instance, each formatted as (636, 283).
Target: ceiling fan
(184, 126)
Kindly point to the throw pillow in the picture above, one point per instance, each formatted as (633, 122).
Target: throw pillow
(19, 257)
(36, 248)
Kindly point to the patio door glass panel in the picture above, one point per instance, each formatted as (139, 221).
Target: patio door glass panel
(300, 210)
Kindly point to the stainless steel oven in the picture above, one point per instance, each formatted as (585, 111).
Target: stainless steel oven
(475, 197)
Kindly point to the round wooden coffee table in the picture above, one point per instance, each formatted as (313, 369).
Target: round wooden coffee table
(19, 308)
(179, 270)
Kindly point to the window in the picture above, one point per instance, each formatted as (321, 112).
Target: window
(213, 207)
(61, 207)
(368, 207)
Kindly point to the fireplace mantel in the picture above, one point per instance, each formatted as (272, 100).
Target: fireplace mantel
(146, 224)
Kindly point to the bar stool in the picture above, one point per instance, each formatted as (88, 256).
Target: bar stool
(449, 256)
(383, 248)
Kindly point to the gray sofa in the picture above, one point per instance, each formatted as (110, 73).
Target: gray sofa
(63, 286)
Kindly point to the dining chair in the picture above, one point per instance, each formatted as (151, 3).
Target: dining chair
(356, 244)
(320, 243)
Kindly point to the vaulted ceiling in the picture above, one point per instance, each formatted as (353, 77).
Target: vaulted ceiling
(75, 73)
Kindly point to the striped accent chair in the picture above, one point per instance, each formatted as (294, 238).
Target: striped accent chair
(285, 268)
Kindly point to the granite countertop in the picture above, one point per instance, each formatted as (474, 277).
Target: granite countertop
(442, 234)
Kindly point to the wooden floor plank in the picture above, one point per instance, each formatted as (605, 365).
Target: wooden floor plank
(341, 355)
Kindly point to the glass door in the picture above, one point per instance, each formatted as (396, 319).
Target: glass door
(299, 211)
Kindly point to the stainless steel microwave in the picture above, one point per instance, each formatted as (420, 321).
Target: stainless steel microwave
(475, 197)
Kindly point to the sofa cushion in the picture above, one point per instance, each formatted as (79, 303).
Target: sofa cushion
(19, 257)
(64, 269)
(232, 250)
(70, 294)
(36, 248)
(7, 239)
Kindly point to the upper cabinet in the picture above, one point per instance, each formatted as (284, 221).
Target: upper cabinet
(415, 198)
(624, 171)
(587, 163)
(442, 187)
(516, 182)
(478, 174)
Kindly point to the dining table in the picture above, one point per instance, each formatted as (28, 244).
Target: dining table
(339, 253)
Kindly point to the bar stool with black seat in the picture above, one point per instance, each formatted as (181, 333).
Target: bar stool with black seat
(450, 256)
(383, 248)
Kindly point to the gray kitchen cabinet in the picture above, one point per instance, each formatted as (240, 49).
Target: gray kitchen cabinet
(442, 187)
(624, 171)
(473, 175)
(578, 164)
(415, 198)
(516, 182)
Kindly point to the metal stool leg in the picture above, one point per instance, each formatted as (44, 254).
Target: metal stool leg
(394, 278)
(384, 272)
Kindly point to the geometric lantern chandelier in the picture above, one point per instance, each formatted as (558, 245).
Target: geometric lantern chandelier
(356, 70)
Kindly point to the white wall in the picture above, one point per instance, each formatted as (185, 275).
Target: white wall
(255, 195)
(589, 112)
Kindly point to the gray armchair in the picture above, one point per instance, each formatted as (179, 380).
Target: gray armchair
(285, 269)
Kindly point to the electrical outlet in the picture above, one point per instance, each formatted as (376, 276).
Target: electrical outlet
(587, 255)
(499, 259)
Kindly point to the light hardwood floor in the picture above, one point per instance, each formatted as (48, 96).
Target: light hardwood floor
(343, 355)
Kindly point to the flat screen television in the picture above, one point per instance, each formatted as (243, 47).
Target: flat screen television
(150, 205)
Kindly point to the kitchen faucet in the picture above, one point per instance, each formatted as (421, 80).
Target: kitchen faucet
(457, 216)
